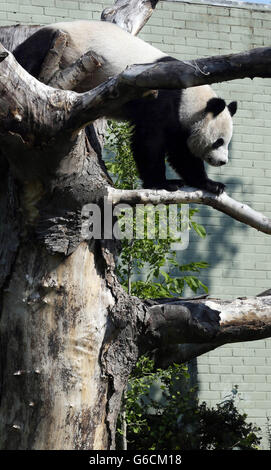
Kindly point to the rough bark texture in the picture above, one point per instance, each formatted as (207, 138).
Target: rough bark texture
(203, 324)
(53, 327)
(12, 36)
(130, 15)
(70, 335)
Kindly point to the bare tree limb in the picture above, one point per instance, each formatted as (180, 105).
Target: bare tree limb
(184, 74)
(72, 76)
(51, 63)
(130, 15)
(108, 97)
(27, 105)
(223, 203)
(12, 36)
(178, 331)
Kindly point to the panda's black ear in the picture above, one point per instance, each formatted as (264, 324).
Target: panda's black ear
(215, 106)
(232, 107)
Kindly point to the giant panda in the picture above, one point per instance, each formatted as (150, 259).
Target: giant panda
(189, 126)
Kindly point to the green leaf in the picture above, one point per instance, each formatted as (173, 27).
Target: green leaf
(199, 229)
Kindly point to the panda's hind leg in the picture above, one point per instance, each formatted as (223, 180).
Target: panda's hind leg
(31, 53)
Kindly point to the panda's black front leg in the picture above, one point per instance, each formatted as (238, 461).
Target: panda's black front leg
(213, 186)
(193, 172)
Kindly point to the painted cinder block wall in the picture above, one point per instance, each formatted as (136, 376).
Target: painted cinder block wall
(239, 257)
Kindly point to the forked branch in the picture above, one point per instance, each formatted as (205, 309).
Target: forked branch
(180, 330)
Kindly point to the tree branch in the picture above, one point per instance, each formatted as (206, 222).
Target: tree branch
(52, 60)
(207, 70)
(29, 108)
(203, 325)
(134, 81)
(72, 76)
(223, 203)
(130, 15)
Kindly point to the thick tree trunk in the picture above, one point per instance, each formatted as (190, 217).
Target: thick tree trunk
(54, 322)
(68, 330)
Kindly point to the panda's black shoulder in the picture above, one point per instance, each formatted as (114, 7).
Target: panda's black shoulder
(31, 53)
(157, 113)
(166, 58)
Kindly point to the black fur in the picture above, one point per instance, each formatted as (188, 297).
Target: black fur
(31, 53)
(166, 58)
(157, 133)
(215, 106)
(232, 107)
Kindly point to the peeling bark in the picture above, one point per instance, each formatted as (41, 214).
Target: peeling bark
(12, 36)
(214, 322)
(130, 15)
(53, 392)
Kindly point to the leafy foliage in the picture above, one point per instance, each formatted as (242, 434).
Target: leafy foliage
(153, 255)
(121, 163)
(176, 420)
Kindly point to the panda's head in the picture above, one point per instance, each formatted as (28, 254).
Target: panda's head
(211, 132)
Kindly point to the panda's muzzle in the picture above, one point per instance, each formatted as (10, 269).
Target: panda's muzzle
(213, 160)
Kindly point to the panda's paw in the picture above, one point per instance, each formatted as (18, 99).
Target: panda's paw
(171, 187)
(174, 184)
(214, 187)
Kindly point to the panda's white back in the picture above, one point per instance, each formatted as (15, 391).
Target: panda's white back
(117, 47)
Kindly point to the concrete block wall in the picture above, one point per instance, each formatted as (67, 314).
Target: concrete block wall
(239, 257)
(247, 365)
(49, 11)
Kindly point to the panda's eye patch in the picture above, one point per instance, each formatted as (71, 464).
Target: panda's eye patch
(218, 143)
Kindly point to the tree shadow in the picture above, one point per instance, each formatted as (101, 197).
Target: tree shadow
(224, 238)
(218, 248)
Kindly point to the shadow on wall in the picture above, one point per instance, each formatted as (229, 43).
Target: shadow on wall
(218, 248)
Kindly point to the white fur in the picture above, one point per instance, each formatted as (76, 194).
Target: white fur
(205, 132)
(117, 48)
(205, 129)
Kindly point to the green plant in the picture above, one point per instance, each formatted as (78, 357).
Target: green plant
(155, 255)
(120, 162)
(176, 421)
